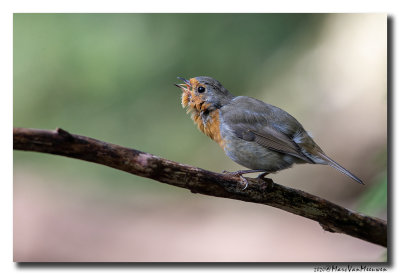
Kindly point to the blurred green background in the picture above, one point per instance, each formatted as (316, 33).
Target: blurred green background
(111, 76)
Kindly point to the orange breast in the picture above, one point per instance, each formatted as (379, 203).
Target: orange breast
(211, 127)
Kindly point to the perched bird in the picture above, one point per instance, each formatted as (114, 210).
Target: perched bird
(255, 134)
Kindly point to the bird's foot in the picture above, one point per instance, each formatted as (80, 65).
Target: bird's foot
(262, 180)
(261, 177)
(240, 174)
(245, 183)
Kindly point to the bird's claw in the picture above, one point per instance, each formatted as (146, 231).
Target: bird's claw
(237, 174)
(244, 180)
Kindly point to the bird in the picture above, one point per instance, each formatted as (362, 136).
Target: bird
(257, 135)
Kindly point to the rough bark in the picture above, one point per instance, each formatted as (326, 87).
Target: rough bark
(331, 217)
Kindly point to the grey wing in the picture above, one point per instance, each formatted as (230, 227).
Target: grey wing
(262, 125)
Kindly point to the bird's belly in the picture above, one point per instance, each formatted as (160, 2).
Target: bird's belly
(254, 156)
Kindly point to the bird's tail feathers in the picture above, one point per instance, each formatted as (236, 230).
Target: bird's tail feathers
(340, 168)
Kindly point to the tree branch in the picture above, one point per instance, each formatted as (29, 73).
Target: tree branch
(331, 217)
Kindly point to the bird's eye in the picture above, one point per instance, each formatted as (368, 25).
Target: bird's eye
(201, 89)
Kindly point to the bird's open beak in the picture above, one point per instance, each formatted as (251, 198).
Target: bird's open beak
(185, 85)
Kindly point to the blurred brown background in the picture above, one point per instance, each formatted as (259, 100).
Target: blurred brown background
(110, 77)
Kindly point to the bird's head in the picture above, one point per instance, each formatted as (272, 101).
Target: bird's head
(203, 92)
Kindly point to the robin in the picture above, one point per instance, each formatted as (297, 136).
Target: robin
(255, 134)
